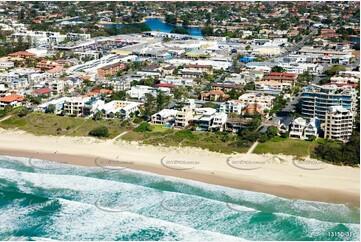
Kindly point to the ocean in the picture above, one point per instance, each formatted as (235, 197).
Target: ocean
(41, 200)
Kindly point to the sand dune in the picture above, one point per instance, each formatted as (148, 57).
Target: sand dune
(275, 174)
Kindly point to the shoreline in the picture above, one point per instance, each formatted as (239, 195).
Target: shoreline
(276, 175)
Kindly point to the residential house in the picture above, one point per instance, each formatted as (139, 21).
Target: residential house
(199, 68)
(13, 100)
(226, 87)
(219, 120)
(312, 128)
(165, 116)
(42, 91)
(214, 96)
(297, 128)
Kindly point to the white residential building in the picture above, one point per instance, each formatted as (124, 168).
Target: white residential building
(164, 116)
(75, 105)
(176, 81)
(219, 121)
(259, 98)
(121, 108)
(232, 106)
(311, 128)
(139, 91)
(338, 123)
(58, 103)
(183, 117)
(297, 127)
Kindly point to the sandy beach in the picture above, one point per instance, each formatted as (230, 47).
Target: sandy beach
(274, 174)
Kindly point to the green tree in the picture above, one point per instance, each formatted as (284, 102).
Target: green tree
(150, 104)
(50, 109)
(334, 69)
(143, 127)
(101, 131)
(162, 100)
(278, 69)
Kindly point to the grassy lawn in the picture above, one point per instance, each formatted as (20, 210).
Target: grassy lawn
(50, 124)
(174, 138)
(287, 146)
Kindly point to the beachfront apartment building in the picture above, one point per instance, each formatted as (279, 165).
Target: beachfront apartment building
(74, 106)
(231, 106)
(165, 116)
(317, 99)
(338, 123)
(183, 117)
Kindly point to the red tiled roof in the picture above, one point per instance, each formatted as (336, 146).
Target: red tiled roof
(55, 69)
(165, 85)
(43, 90)
(12, 98)
(282, 74)
(21, 53)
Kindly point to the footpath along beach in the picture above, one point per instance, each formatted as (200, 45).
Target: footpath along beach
(279, 175)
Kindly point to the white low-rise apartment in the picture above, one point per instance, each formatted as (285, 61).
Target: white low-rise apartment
(119, 108)
(338, 123)
(272, 86)
(232, 106)
(164, 116)
(177, 81)
(74, 106)
(259, 98)
(139, 91)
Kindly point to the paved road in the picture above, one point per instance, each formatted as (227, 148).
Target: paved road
(299, 45)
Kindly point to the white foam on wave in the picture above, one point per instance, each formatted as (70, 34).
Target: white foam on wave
(78, 220)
